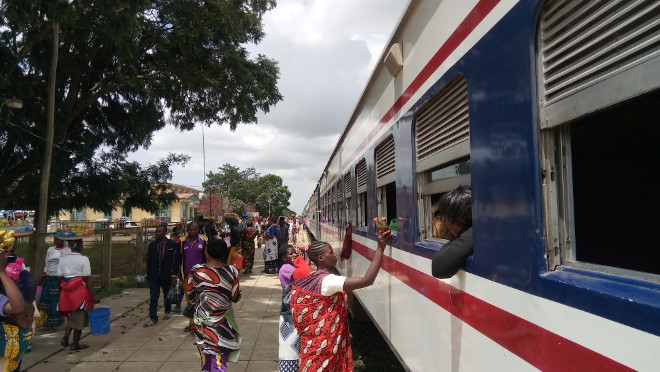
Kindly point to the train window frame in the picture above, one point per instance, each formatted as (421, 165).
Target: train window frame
(431, 188)
(361, 188)
(564, 153)
(386, 178)
(339, 203)
(442, 141)
(348, 187)
(595, 70)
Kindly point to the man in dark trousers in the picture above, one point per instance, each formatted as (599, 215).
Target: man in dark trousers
(160, 258)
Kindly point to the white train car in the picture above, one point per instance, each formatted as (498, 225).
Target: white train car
(549, 111)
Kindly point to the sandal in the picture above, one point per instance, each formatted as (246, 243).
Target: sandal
(79, 347)
(64, 342)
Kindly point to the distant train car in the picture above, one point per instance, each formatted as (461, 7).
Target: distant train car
(549, 111)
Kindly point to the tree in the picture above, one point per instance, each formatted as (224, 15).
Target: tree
(127, 64)
(126, 69)
(248, 186)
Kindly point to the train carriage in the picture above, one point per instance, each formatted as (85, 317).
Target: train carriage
(548, 110)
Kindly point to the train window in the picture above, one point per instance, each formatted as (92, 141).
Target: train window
(442, 149)
(598, 90)
(385, 179)
(347, 196)
(333, 199)
(340, 210)
(601, 192)
(361, 176)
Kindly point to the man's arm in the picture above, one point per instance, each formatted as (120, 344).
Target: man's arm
(451, 256)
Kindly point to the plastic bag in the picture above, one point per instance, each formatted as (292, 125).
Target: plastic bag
(173, 295)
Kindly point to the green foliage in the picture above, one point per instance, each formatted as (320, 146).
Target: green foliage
(248, 186)
(126, 68)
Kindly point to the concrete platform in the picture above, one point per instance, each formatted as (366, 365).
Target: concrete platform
(165, 347)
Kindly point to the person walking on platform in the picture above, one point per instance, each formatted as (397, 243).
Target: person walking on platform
(160, 259)
(50, 295)
(247, 247)
(78, 295)
(189, 253)
(212, 288)
(271, 248)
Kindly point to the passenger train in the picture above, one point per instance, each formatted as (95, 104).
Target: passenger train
(549, 111)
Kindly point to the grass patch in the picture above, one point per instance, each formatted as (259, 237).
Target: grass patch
(117, 286)
(123, 259)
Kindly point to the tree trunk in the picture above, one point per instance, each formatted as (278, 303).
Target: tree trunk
(37, 259)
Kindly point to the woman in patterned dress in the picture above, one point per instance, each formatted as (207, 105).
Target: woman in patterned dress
(50, 295)
(247, 247)
(212, 287)
(319, 308)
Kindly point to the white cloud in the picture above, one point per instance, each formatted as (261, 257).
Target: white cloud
(326, 50)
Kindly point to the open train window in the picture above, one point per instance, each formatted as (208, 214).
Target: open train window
(442, 150)
(361, 177)
(603, 189)
(599, 89)
(386, 179)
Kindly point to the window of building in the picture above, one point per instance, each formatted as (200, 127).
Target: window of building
(386, 179)
(599, 89)
(165, 213)
(361, 176)
(442, 151)
(79, 214)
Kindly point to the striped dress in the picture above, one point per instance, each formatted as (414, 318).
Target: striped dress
(213, 290)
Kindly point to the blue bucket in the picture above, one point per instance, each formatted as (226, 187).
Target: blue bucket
(99, 320)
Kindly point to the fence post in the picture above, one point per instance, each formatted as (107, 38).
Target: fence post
(139, 245)
(106, 270)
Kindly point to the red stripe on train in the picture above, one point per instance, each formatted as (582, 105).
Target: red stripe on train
(536, 345)
(476, 15)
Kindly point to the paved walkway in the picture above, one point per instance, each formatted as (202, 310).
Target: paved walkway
(166, 347)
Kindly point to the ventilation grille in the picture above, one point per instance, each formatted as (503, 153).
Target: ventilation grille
(347, 184)
(361, 171)
(584, 42)
(385, 158)
(444, 122)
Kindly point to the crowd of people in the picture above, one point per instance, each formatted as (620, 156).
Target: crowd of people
(198, 265)
(63, 296)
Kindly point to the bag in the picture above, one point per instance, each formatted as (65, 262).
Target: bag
(347, 248)
(173, 295)
(270, 251)
(189, 310)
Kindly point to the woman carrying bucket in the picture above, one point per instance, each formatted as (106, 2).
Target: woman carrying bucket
(77, 297)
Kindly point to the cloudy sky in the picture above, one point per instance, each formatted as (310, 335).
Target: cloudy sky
(326, 50)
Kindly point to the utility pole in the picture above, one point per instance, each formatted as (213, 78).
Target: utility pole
(42, 220)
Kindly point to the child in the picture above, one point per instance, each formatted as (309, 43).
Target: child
(293, 267)
(17, 329)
